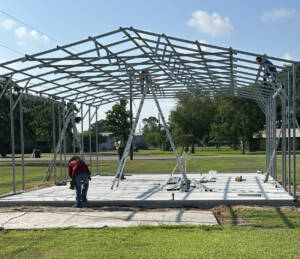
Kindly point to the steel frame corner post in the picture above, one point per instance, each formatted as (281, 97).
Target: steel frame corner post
(73, 126)
(294, 127)
(122, 162)
(81, 123)
(63, 135)
(130, 108)
(90, 141)
(289, 131)
(12, 134)
(274, 146)
(283, 139)
(184, 177)
(22, 141)
(54, 140)
(60, 147)
(97, 142)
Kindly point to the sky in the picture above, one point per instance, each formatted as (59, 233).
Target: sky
(268, 27)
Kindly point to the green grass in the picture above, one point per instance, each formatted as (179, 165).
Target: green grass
(35, 170)
(271, 237)
(199, 151)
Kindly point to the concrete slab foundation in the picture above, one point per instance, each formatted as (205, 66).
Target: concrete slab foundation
(150, 190)
(100, 219)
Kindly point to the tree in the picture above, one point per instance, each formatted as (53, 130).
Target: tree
(117, 120)
(190, 121)
(236, 120)
(151, 131)
(5, 136)
(37, 120)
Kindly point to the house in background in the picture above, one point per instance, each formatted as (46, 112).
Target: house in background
(259, 140)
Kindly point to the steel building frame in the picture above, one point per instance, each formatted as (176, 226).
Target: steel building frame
(105, 68)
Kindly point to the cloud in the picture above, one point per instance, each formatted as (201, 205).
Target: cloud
(26, 36)
(287, 56)
(21, 32)
(277, 14)
(8, 24)
(45, 38)
(212, 24)
(34, 34)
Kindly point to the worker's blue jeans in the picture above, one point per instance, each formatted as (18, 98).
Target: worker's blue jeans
(81, 179)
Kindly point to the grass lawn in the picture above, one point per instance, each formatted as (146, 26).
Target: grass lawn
(35, 170)
(199, 151)
(274, 234)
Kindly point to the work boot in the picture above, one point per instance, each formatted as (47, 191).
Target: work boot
(85, 203)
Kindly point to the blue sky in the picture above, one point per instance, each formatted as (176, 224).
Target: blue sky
(271, 27)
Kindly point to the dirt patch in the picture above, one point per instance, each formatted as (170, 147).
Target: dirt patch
(226, 215)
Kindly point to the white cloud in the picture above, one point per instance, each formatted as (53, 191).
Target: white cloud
(287, 56)
(28, 36)
(34, 34)
(21, 32)
(8, 24)
(212, 24)
(277, 14)
(45, 38)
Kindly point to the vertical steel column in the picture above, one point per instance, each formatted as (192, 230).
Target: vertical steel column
(73, 125)
(130, 107)
(274, 138)
(283, 139)
(81, 122)
(267, 136)
(54, 140)
(289, 132)
(294, 128)
(12, 134)
(90, 139)
(65, 141)
(22, 142)
(60, 146)
(97, 144)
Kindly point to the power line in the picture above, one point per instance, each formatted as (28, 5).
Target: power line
(11, 49)
(19, 21)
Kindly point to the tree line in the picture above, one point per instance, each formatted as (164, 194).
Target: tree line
(195, 120)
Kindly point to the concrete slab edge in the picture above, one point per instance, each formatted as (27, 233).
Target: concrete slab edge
(153, 204)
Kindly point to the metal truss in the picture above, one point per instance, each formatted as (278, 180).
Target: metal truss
(108, 67)
(96, 70)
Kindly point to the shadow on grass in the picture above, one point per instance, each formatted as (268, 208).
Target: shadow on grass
(234, 217)
(284, 218)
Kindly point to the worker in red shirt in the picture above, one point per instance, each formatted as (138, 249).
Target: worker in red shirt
(80, 175)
